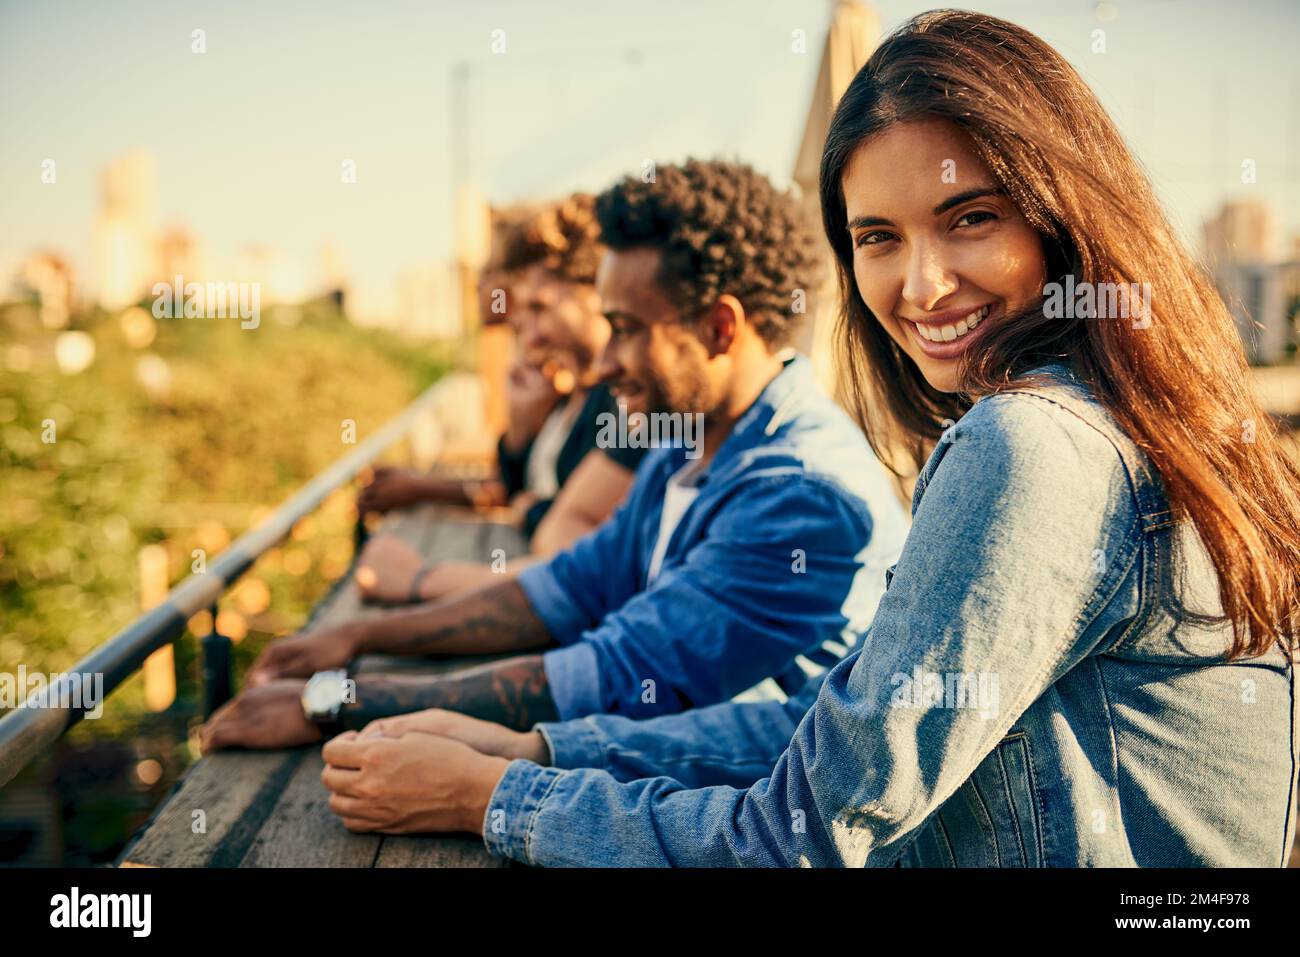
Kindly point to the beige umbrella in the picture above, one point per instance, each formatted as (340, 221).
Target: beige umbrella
(853, 34)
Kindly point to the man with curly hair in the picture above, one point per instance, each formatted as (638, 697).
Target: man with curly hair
(749, 561)
(557, 481)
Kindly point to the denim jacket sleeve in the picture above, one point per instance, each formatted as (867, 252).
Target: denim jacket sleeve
(999, 576)
(728, 743)
(735, 609)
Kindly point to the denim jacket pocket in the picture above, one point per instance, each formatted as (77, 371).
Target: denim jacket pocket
(993, 819)
(1021, 820)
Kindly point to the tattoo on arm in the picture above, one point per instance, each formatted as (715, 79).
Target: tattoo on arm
(512, 692)
(488, 620)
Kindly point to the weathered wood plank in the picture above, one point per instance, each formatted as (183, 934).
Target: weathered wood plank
(474, 541)
(234, 790)
(269, 809)
(431, 523)
(302, 831)
(436, 852)
(506, 537)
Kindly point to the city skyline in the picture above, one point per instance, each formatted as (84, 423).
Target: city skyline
(248, 163)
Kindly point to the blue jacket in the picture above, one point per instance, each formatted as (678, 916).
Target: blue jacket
(1034, 690)
(772, 571)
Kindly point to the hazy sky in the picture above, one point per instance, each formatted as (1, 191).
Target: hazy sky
(250, 136)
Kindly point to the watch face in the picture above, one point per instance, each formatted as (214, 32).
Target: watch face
(323, 693)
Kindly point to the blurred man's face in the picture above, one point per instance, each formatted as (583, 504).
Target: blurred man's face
(654, 361)
(558, 323)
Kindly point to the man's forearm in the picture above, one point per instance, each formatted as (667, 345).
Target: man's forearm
(447, 490)
(513, 692)
(558, 531)
(487, 620)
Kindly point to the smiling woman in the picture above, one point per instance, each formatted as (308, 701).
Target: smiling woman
(946, 255)
(1018, 181)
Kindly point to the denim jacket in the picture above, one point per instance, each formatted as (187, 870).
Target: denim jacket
(771, 573)
(1034, 690)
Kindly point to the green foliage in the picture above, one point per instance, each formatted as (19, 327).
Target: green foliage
(250, 415)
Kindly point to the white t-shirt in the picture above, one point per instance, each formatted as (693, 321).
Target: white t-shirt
(539, 471)
(680, 493)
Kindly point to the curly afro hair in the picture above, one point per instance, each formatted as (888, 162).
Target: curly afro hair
(561, 236)
(721, 228)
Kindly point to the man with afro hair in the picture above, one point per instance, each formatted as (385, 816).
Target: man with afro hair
(749, 559)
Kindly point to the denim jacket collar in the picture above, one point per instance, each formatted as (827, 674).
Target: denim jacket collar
(1058, 381)
(774, 406)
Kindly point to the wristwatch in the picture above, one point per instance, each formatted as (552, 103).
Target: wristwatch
(323, 698)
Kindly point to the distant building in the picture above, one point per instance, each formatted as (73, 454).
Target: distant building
(126, 230)
(49, 278)
(1242, 231)
(1260, 293)
(180, 254)
(282, 278)
(1244, 254)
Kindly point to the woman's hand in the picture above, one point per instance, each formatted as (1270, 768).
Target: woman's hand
(486, 737)
(416, 784)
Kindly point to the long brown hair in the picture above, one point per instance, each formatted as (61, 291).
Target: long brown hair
(1180, 386)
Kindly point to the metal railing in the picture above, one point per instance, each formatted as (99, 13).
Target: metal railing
(25, 732)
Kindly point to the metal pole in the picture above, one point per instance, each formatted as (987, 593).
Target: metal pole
(217, 680)
(26, 731)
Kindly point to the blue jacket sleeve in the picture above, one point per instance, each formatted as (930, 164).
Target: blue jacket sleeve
(770, 581)
(728, 743)
(996, 578)
(578, 587)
